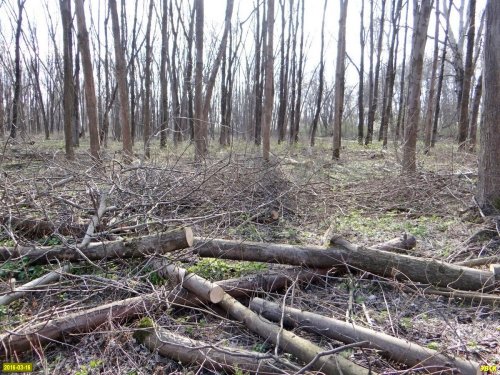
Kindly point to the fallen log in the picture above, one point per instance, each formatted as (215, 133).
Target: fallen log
(379, 262)
(301, 348)
(479, 261)
(202, 288)
(87, 320)
(214, 358)
(394, 348)
(399, 245)
(128, 248)
(37, 228)
(460, 295)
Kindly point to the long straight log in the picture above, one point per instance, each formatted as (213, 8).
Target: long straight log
(128, 248)
(379, 262)
(89, 319)
(214, 358)
(289, 342)
(399, 350)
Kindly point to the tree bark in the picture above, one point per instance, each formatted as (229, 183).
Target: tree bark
(394, 348)
(400, 122)
(289, 342)
(90, 96)
(147, 86)
(200, 127)
(269, 83)
(379, 262)
(463, 120)
(128, 248)
(194, 352)
(430, 98)
(419, 38)
(163, 75)
(472, 139)
(69, 89)
(361, 91)
(488, 186)
(294, 135)
(374, 97)
(121, 78)
(340, 82)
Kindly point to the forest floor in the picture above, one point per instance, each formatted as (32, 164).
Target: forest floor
(362, 197)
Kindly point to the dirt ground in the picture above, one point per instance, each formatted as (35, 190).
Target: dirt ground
(301, 197)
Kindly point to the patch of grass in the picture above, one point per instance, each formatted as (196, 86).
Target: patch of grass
(218, 269)
(52, 240)
(20, 271)
(433, 345)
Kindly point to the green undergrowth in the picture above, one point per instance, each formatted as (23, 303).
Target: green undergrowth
(218, 269)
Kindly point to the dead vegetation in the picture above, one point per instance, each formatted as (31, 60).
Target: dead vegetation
(299, 198)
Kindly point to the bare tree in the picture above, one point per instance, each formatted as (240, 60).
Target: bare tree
(200, 127)
(421, 14)
(257, 74)
(90, 96)
(163, 75)
(2, 112)
(321, 78)
(441, 78)
(17, 83)
(463, 120)
(147, 86)
(269, 82)
(488, 185)
(361, 92)
(374, 96)
(294, 131)
(402, 88)
(284, 68)
(121, 78)
(68, 100)
(432, 84)
(339, 81)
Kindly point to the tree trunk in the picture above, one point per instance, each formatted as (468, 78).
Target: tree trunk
(432, 84)
(147, 86)
(463, 121)
(379, 262)
(90, 96)
(488, 185)
(394, 348)
(321, 76)
(369, 132)
(294, 135)
(163, 75)
(475, 114)
(133, 58)
(339, 82)
(257, 78)
(402, 95)
(361, 90)
(69, 90)
(121, 78)
(269, 82)
(2, 112)
(441, 78)
(200, 127)
(174, 78)
(374, 98)
(419, 38)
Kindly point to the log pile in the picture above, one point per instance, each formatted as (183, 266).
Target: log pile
(190, 290)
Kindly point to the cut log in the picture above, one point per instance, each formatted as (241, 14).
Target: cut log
(399, 350)
(194, 352)
(202, 288)
(479, 261)
(459, 295)
(89, 319)
(289, 342)
(249, 286)
(379, 262)
(128, 248)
